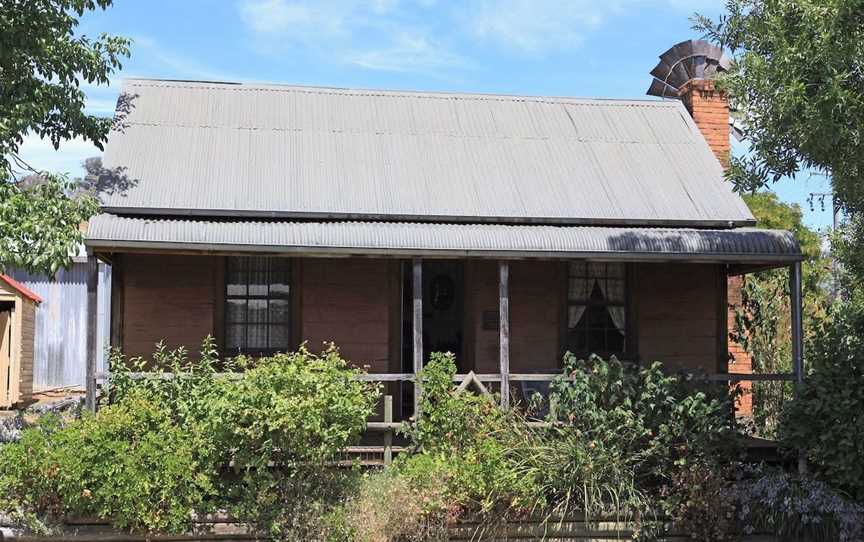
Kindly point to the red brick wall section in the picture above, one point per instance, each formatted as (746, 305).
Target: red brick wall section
(676, 308)
(347, 301)
(168, 298)
(710, 111)
(739, 360)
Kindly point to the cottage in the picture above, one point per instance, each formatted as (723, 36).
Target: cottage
(17, 328)
(505, 229)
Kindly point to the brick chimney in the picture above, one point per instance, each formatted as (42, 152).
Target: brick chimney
(686, 71)
(710, 109)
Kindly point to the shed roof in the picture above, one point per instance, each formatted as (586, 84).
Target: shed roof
(20, 288)
(444, 240)
(247, 150)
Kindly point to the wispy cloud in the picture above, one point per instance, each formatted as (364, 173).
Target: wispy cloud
(383, 35)
(174, 63)
(409, 53)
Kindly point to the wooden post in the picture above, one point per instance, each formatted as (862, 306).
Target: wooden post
(504, 331)
(92, 341)
(388, 435)
(417, 295)
(797, 339)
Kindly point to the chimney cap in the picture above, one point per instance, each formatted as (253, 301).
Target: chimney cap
(684, 62)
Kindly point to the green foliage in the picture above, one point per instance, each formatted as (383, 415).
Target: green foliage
(703, 502)
(826, 419)
(43, 64)
(160, 449)
(39, 224)
(762, 321)
(487, 478)
(129, 464)
(798, 92)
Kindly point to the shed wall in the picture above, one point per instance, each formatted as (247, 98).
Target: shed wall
(60, 349)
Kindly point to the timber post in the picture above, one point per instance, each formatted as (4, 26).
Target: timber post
(388, 436)
(504, 331)
(796, 307)
(92, 341)
(417, 296)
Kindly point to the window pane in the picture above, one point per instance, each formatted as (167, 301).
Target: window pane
(578, 289)
(235, 338)
(596, 269)
(257, 311)
(235, 311)
(615, 270)
(279, 286)
(258, 276)
(577, 269)
(614, 291)
(235, 278)
(257, 337)
(279, 337)
(575, 313)
(279, 311)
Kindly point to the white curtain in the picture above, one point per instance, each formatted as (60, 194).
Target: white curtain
(613, 291)
(579, 291)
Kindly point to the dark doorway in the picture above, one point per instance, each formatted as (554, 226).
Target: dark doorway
(443, 311)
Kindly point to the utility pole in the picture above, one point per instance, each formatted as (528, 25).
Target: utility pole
(836, 209)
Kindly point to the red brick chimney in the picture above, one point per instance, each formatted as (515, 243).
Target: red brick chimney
(686, 72)
(710, 109)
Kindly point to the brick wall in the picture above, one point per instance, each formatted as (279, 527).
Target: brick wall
(347, 301)
(677, 312)
(710, 111)
(167, 297)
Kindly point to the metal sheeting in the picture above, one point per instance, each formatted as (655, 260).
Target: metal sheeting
(434, 239)
(252, 150)
(60, 349)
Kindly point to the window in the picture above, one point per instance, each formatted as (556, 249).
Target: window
(257, 305)
(597, 309)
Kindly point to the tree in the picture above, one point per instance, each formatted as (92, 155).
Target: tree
(42, 65)
(797, 87)
(762, 321)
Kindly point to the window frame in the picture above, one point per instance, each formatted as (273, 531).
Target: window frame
(291, 314)
(630, 348)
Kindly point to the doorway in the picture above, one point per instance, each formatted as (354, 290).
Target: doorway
(6, 312)
(443, 314)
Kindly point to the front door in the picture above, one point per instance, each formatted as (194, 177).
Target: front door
(443, 308)
(6, 313)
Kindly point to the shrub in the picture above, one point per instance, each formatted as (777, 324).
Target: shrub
(160, 449)
(390, 506)
(471, 448)
(826, 418)
(129, 464)
(702, 503)
(620, 433)
(797, 508)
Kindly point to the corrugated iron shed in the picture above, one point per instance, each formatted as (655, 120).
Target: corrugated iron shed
(453, 240)
(212, 149)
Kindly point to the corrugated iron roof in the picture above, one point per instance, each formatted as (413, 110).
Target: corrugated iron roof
(256, 150)
(20, 288)
(435, 239)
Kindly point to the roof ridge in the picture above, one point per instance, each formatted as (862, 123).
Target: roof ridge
(393, 93)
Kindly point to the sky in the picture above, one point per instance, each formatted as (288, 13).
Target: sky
(581, 48)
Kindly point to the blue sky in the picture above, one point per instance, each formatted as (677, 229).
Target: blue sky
(582, 48)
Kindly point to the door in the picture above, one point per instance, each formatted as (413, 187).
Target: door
(6, 313)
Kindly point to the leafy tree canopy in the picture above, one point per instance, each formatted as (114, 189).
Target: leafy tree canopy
(798, 87)
(43, 63)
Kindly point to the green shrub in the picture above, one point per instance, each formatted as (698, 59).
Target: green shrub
(621, 432)
(471, 446)
(129, 464)
(826, 418)
(257, 443)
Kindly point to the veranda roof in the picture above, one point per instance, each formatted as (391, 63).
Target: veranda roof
(442, 240)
